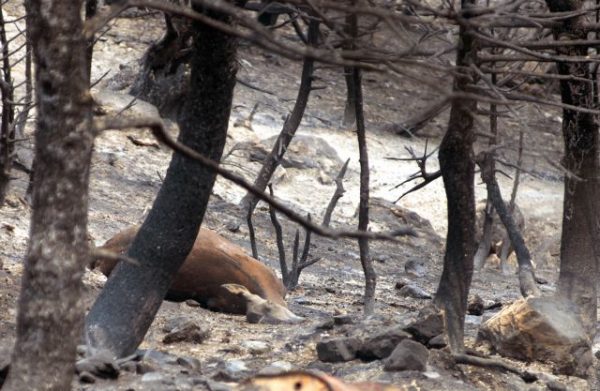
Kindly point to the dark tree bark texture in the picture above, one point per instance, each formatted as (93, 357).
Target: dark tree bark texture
(50, 317)
(458, 168)
(126, 307)
(580, 231)
(355, 89)
(7, 126)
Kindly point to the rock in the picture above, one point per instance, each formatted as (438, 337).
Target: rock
(256, 347)
(475, 305)
(129, 366)
(408, 355)
(340, 320)
(429, 324)
(304, 152)
(152, 377)
(414, 292)
(176, 322)
(546, 329)
(86, 377)
(157, 358)
(144, 367)
(402, 283)
(190, 363)
(382, 344)
(101, 364)
(393, 216)
(438, 342)
(231, 371)
(415, 267)
(337, 350)
(556, 386)
(276, 368)
(190, 331)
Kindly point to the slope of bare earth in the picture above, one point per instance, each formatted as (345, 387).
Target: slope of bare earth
(127, 172)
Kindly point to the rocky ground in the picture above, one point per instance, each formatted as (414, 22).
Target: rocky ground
(128, 168)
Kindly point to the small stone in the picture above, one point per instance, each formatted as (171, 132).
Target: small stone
(554, 385)
(408, 355)
(431, 375)
(231, 371)
(326, 325)
(189, 332)
(338, 350)
(340, 320)
(414, 292)
(192, 303)
(129, 366)
(415, 267)
(158, 357)
(152, 377)
(438, 342)
(276, 368)
(101, 364)
(256, 347)
(143, 368)
(233, 226)
(236, 366)
(190, 363)
(86, 377)
(429, 323)
(381, 345)
(381, 258)
(475, 306)
(402, 283)
(176, 322)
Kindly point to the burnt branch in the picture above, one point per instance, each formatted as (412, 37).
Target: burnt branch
(526, 273)
(422, 173)
(339, 193)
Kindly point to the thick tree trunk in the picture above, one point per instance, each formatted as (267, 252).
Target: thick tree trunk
(50, 318)
(7, 128)
(126, 307)
(580, 231)
(458, 170)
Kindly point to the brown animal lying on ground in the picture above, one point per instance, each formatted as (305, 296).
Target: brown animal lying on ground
(212, 262)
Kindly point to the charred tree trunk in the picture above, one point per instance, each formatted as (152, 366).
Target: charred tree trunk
(128, 303)
(50, 317)
(355, 89)
(580, 231)
(458, 170)
(526, 275)
(7, 126)
(289, 127)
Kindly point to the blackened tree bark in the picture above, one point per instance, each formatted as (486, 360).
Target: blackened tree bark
(458, 170)
(130, 299)
(7, 126)
(355, 90)
(580, 231)
(50, 317)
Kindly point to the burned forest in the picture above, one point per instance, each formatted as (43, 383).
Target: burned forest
(299, 195)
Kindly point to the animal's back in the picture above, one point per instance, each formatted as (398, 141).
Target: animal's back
(212, 262)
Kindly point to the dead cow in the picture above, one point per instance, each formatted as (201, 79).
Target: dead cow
(213, 262)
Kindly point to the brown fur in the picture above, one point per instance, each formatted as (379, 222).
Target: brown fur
(213, 261)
